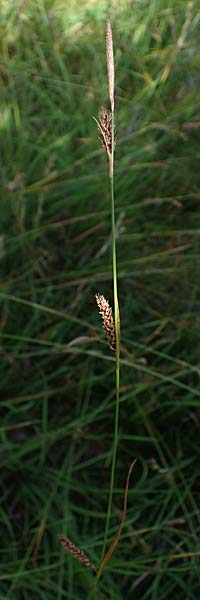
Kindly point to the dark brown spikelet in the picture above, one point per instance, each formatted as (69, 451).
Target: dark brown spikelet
(77, 553)
(108, 322)
(105, 128)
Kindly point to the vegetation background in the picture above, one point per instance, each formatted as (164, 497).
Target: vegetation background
(57, 374)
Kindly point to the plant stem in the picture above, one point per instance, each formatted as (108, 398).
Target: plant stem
(117, 335)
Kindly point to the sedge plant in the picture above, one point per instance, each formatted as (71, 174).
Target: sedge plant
(111, 325)
(106, 126)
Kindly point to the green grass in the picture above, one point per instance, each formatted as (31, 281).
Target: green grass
(58, 399)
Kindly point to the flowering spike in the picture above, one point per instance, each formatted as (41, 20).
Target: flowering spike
(108, 322)
(110, 63)
(77, 553)
(105, 128)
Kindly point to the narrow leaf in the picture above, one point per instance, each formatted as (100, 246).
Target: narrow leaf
(115, 542)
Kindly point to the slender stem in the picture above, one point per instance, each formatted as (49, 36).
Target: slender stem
(117, 335)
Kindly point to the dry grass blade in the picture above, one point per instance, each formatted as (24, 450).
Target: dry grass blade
(115, 542)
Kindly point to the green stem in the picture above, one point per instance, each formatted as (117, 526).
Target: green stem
(117, 336)
(117, 364)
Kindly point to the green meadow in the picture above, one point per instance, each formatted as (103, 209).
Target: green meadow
(57, 373)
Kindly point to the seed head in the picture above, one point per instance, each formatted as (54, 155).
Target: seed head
(108, 322)
(105, 128)
(77, 553)
(110, 63)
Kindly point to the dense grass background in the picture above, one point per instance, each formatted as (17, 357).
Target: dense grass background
(57, 374)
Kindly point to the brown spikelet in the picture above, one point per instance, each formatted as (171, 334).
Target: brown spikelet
(77, 553)
(105, 129)
(108, 322)
(110, 63)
